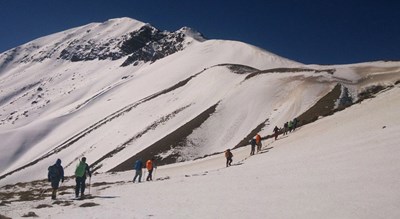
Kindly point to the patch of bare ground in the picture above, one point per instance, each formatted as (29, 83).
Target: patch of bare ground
(245, 141)
(370, 92)
(4, 203)
(4, 217)
(43, 206)
(30, 191)
(88, 204)
(324, 107)
(30, 214)
(239, 69)
(172, 140)
(288, 70)
(62, 203)
(138, 135)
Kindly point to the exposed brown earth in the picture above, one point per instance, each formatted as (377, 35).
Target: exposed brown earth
(170, 141)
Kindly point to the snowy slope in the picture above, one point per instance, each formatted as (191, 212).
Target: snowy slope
(342, 166)
(61, 108)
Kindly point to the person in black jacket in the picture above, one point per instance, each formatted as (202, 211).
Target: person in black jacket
(276, 132)
(55, 175)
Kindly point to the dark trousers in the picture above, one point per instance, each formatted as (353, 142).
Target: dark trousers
(138, 174)
(80, 186)
(259, 145)
(54, 185)
(150, 176)
(228, 161)
(253, 147)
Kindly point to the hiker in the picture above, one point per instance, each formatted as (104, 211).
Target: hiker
(80, 173)
(258, 143)
(150, 166)
(276, 132)
(290, 125)
(295, 123)
(228, 155)
(55, 175)
(138, 167)
(285, 128)
(253, 146)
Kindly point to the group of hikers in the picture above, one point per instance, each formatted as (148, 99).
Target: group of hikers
(138, 167)
(256, 141)
(288, 127)
(56, 171)
(56, 174)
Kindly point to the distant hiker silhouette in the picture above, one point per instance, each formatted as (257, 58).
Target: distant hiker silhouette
(258, 143)
(55, 175)
(276, 132)
(295, 123)
(253, 146)
(228, 156)
(290, 124)
(80, 173)
(285, 128)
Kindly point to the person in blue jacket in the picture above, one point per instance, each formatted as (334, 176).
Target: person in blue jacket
(55, 175)
(253, 146)
(138, 167)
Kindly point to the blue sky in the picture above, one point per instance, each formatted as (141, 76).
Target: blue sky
(307, 31)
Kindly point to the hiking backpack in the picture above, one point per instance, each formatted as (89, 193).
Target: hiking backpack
(80, 169)
(53, 172)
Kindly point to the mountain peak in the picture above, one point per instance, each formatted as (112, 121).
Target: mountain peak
(127, 20)
(188, 31)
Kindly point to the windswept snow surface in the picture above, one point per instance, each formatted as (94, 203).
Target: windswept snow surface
(342, 166)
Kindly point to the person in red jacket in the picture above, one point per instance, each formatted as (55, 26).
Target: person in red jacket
(258, 142)
(150, 167)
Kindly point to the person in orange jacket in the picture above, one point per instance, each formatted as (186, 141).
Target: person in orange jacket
(258, 143)
(150, 167)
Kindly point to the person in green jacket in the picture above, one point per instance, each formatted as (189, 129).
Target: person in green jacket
(82, 170)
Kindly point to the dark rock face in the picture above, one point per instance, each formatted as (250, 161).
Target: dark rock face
(89, 50)
(151, 45)
(148, 44)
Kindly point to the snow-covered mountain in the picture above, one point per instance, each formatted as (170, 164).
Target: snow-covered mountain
(122, 89)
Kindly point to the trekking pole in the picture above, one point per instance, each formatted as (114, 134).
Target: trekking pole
(42, 192)
(90, 179)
